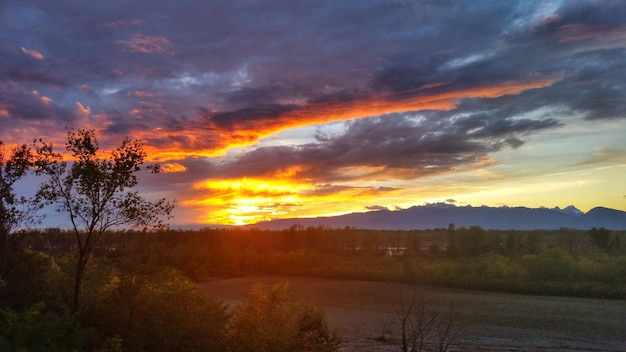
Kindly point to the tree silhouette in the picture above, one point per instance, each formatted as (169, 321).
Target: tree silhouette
(13, 166)
(601, 237)
(94, 192)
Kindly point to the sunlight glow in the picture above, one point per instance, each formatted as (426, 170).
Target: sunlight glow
(247, 200)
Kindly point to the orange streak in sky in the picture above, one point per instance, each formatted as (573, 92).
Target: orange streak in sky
(239, 133)
(374, 106)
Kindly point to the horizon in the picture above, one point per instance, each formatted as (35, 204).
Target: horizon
(578, 212)
(258, 111)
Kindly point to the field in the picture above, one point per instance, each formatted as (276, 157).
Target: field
(493, 321)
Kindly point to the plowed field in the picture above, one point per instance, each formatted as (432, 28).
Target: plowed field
(361, 310)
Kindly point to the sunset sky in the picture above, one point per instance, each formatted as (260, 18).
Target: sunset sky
(274, 109)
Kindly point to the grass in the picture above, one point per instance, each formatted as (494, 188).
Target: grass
(494, 321)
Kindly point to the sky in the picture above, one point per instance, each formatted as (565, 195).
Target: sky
(269, 109)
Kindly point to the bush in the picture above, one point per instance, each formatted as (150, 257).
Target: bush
(164, 314)
(32, 277)
(271, 320)
(35, 329)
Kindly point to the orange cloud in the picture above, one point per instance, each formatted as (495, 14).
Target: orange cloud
(146, 44)
(33, 53)
(315, 113)
(83, 110)
(219, 134)
(173, 167)
(46, 100)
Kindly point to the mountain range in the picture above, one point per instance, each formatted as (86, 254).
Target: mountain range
(440, 215)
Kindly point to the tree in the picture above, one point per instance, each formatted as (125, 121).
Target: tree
(271, 320)
(34, 328)
(13, 166)
(94, 192)
(602, 238)
(423, 323)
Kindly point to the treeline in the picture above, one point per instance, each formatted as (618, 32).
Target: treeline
(557, 262)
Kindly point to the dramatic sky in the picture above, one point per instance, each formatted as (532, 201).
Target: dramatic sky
(268, 109)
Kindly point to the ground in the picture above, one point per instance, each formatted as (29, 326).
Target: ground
(361, 310)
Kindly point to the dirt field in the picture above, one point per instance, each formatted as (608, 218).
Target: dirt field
(494, 321)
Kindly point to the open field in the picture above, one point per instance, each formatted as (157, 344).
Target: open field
(494, 321)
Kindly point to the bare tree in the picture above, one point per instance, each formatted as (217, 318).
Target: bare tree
(424, 323)
(94, 192)
(449, 326)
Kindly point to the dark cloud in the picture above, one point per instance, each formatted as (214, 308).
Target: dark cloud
(255, 62)
(400, 145)
(248, 118)
(377, 208)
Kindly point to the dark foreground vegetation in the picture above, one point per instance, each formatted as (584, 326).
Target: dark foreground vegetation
(140, 291)
(83, 291)
(130, 302)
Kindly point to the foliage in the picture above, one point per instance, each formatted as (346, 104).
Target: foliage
(33, 277)
(13, 209)
(13, 167)
(557, 262)
(93, 192)
(162, 313)
(271, 320)
(35, 329)
(603, 239)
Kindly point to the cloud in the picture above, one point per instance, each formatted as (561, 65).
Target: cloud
(230, 75)
(405, 146)
(33, 113)
(377, 208)
(124, 23)
(605, 156)
(146, 44)
(262, 120)
(88, 90)
(413, 89)
(32, 53)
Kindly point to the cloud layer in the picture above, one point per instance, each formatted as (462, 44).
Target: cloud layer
(396, 90)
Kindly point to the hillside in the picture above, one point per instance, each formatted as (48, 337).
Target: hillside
(440, 215)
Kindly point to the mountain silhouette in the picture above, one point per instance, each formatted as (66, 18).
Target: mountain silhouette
(440, 215)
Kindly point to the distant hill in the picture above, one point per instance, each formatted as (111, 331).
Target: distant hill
(440, 215)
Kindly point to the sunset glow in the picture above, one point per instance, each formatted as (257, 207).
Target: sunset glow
(257, 112)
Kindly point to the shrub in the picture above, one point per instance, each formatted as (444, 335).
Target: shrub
(271, 320)
(163, 314)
